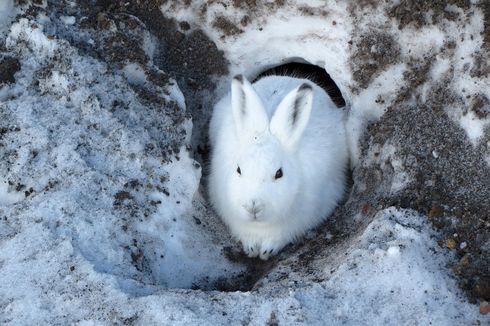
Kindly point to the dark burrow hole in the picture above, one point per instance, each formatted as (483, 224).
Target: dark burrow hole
(311, 72)
(257, 269)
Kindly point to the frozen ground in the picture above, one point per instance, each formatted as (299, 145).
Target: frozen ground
(103, 219)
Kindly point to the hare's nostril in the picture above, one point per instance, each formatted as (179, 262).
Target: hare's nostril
(248, 208)
(253, 208)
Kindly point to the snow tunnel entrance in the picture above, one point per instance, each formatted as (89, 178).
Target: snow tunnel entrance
(314, 73)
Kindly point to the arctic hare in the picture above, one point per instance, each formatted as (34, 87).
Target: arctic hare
(278, 158)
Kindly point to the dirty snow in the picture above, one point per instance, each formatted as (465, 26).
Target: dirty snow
(395, 270)
(85, 151)
(100, 225)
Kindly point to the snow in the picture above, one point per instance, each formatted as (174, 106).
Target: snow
(134, 74)
(91, 162)
(265, 40)
(68, 20)
(473, 126)
(108, 234)
(393, 273)
(397, 263)
(8, 197)
(469, 42)
(6, 12)
(372, 103)
(40, 42)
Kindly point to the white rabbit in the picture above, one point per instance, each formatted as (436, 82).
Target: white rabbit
(278, 161)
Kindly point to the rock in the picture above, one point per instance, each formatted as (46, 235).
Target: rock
(8, 67)
(450, 243)
(484, 307)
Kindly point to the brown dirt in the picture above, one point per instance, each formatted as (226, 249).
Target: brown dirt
(375, 50)
(449, 176)
(452, 188)
(190, 57)
(481, 64)
(415, 11)
(8, 68)
(226, 26)
(480, 105)
(485, 7)
(245, 3)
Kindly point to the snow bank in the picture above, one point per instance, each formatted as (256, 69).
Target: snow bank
(91, 162)
(101, 216)
(394, 274)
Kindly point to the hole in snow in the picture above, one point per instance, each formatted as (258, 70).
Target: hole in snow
(314, 73)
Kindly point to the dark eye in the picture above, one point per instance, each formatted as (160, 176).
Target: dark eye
(239, 171)
(278, 174)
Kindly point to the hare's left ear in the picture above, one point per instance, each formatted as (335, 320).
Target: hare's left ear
(248, 111)
(292, 115)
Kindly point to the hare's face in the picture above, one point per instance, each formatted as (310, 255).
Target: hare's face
(264, 182)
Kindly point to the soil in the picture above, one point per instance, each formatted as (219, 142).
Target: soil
(8, 68)
(485, 7)
(226, 26)
(450, 182)
(415, 12)
(374, 51)
(450, 175)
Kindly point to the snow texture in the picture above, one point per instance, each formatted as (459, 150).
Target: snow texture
(85, 150)
(102, 220)
(6, 12)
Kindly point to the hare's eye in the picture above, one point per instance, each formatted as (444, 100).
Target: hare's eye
(278, 174)
(239, 171)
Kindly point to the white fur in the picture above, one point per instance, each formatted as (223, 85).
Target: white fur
(252, 128)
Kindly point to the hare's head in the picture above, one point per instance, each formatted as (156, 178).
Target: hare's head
(267, 178)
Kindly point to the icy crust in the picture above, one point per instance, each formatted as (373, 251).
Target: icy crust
(394, 274)
(86, 162)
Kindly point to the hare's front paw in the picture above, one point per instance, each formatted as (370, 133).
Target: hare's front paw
(251, 248)
(269, 248)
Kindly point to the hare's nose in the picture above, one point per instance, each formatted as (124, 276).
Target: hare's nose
(253, 207)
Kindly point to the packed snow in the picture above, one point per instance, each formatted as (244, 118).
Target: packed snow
(103, 219)
(6, 12)
(86, 148)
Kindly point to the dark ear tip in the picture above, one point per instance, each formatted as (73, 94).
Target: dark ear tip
(305, 87)
(238, 78)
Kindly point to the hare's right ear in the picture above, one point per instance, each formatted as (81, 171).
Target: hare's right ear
(292, 115)
(248, 111)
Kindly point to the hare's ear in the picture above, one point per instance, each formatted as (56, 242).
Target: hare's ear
(248, 111)
(292, 115)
